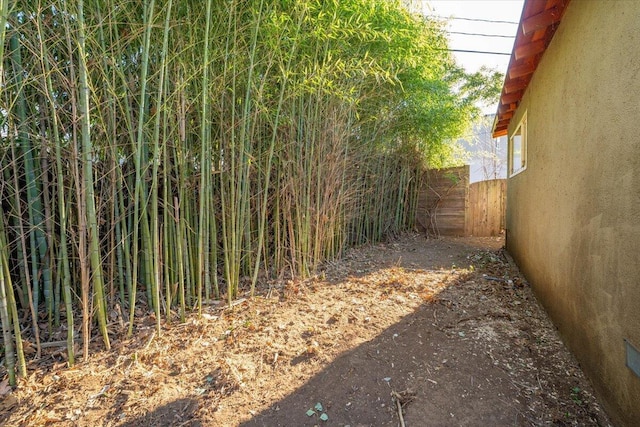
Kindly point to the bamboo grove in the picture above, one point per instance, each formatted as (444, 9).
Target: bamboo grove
(156, 155)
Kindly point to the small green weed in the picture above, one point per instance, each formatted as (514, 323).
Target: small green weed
(575, 395)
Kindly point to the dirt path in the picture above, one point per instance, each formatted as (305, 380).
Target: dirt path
(447, 329)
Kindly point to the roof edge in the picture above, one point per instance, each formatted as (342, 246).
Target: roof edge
(538, 23)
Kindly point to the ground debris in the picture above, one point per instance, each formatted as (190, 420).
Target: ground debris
(449, 321)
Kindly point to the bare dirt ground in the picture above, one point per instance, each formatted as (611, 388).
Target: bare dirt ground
(425, 332)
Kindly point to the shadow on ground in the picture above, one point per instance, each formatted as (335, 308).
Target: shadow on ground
(419, 358)
(481, 352)
(478, 351)
(393, 325)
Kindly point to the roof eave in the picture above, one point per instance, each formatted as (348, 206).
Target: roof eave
(538, 24)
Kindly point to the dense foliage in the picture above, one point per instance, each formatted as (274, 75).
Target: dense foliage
(159, 154)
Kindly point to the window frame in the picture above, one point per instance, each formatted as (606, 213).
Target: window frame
(521, 130)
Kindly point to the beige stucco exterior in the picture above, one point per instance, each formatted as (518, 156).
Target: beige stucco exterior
(573, 216)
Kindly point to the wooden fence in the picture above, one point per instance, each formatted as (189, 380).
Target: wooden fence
(486, 208)
(449, 206)
(442, 201)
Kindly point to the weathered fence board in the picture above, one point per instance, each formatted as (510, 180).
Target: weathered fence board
(486, 208)
(442, 202)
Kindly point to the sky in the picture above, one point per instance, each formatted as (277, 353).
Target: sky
(480, 18)
(478, 10)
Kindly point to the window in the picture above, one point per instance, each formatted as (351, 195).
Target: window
(518, 148)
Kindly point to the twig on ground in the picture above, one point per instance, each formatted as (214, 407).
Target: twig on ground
(153, 335)
(397, 398)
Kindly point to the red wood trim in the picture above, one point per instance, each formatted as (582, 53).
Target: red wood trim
(502, 109)
(541, 20)
(530, 49)
(513, 85)
(521, 70)
(513, 97)
(537, 26)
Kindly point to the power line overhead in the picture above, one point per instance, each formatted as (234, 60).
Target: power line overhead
(478, 51)
(458, 18)
(482, 35)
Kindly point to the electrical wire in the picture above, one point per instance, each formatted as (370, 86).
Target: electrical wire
(481, 35)
(475, 19)
(482, 52)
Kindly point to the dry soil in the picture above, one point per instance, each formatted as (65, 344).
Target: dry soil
(425, 332)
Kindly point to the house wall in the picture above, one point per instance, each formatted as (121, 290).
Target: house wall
(573, 216)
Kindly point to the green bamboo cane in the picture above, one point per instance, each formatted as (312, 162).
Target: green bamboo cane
(124, 215)
(180, 238)
(124, 241)
(38, 241)
(4, 14)
(115, 270)
(22, 248)
(205, 167)
(227, 193)
(140, 211)
(179, 202)
(62, 207)
(87, 149)
(9, 171)
(168, 241)
(168, 230)
(154, 175)
(118, 217)
(9, 315)
(6, 327)
(52, 298)
(13, 312)
(270, 156)
(80, 205)
(191, 261)
(213, 259)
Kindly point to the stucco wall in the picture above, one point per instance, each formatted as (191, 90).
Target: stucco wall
(573, 216)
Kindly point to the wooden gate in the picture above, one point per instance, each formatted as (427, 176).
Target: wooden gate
(486, 205)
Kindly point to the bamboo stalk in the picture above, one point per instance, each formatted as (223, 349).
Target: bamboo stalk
(155, 227)
(38, 243)
(94, 251)
(22, 247)
(64, 256)
(4, 316)
(205, 171)
(269, 165)
(139, 212)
